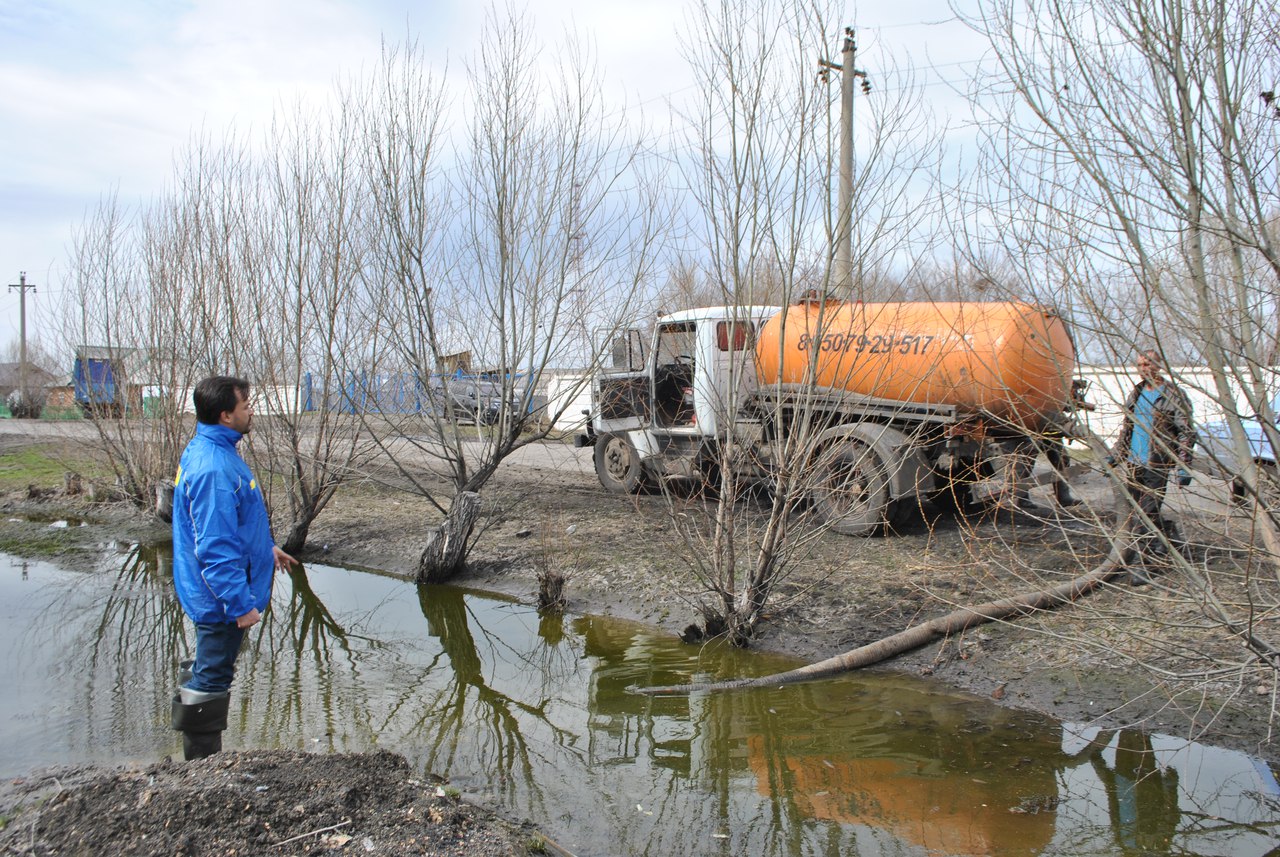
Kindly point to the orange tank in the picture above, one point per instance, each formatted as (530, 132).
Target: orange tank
(1010, 361)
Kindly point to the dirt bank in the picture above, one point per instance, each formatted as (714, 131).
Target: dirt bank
(1133, 657)
(263, 802)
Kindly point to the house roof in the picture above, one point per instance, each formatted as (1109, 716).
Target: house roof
(11, 375)
(106, 352)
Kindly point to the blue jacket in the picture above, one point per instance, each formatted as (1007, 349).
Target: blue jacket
(223, 561)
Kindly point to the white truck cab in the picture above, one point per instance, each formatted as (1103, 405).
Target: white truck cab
(654, 413)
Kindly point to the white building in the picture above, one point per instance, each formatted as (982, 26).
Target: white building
(1109, 386)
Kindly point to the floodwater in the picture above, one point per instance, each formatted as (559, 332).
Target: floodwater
(533, 714)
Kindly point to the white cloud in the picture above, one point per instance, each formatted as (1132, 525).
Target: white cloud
(100, 95)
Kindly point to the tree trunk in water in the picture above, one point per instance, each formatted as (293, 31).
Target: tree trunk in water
(913, 638)
(446, 547)
(297, 538)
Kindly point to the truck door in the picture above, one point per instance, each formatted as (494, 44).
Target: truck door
(621, 389)
(727, 350)
(674, 364)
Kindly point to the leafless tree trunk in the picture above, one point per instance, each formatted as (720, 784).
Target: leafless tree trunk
(543, 233)
(1132, 170)
(446, 547)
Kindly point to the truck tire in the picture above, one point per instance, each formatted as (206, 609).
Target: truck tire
(851, 488)
(618, 465)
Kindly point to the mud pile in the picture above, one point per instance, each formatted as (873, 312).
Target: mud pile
(262, 802)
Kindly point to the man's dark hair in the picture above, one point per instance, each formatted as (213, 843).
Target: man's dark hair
(1156, 356)
(216, 394)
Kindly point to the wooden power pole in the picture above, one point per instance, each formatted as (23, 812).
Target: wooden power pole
(22, 285)
(844, 216)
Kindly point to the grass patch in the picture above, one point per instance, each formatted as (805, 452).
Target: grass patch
(42, 467)
(72, 413)
(32, 546)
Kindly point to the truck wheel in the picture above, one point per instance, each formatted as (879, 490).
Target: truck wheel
(851, 490)
(618, 464)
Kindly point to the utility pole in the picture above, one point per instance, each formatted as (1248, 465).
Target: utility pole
(22, 285)
(844, 216)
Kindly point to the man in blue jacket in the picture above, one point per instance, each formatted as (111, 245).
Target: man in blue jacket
(224, 558)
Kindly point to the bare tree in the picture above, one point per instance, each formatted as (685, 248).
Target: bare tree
(1131, 168)
(304, 252)
(242, 268)
(121, 341)
(762, 169)
(543, 230)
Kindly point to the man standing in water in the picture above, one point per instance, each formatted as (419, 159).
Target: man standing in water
(224, 558)
(1156, 434)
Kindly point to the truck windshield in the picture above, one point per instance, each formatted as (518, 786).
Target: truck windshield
(675, 343)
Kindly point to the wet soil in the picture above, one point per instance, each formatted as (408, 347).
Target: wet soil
(1125, 656)
(265, 802)
(1136, 657)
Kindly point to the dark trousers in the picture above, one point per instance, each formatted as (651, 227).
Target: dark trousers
(217, 647)
(1147, 486)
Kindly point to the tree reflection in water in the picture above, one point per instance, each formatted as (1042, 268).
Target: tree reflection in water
(127, 634)
(491, 722)
(1142, 794)
(534, 711)
(288, 672)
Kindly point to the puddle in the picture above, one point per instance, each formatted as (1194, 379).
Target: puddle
(55, 521)
(532, 714)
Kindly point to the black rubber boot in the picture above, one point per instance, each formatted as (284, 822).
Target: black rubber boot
(1173, 533)
(1063, 496)
(200, 745)
(201, 722)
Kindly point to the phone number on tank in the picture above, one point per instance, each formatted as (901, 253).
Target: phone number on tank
(905, 343)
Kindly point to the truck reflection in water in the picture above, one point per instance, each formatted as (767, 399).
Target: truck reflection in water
(898, 762)
(533, 712)
(944, 801)
(928, 769)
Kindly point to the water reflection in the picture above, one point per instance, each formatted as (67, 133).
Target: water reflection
(81, 653)
(533, 712)
(1142, 795)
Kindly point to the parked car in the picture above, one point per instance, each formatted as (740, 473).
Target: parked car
(464, 402)
(1216, 454)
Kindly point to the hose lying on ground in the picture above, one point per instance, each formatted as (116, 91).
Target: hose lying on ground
(919, 635)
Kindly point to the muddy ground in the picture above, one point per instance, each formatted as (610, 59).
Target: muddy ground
(1125, 656)
(265, 802)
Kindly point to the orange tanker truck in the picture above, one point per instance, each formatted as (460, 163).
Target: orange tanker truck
(883, 404)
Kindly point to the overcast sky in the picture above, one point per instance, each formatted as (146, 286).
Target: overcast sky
(98, 95)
